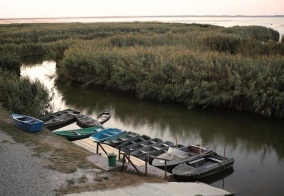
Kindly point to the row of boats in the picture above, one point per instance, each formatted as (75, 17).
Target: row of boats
(64, 117)
(185, 162)
(59, 119)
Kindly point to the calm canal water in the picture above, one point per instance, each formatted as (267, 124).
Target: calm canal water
(257, 144)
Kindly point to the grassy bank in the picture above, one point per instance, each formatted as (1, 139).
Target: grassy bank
(207, 66)
(64, 156)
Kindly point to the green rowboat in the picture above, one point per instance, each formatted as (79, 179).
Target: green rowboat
(77, 134)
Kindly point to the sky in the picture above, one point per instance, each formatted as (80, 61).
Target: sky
(89, 8)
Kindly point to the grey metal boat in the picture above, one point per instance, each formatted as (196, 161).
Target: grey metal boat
(202, 167)
(152, 151)
(59, 120)
(133, 140)
(175, 156)
(139, 145)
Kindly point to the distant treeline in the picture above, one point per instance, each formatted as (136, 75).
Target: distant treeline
(239, 68)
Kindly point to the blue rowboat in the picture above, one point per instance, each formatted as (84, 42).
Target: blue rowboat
(27, 123)
(106, 134)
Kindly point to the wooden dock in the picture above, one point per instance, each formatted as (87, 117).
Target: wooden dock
(101, 159)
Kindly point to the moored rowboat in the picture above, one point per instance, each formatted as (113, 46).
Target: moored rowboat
(133, 140)
(104, 116)
(60, 120)
(175, 156)
(77, 134)
(87, 121)
(115, 141)
(202, 167)
(106, 134)
(27, 123)
(139, 145)
(152, 151)
(58, 113)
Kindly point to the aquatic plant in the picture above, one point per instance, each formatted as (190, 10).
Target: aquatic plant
(196, 65)
(21, 95)
(175, 74)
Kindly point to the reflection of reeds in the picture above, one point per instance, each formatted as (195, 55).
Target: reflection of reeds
(51, 76)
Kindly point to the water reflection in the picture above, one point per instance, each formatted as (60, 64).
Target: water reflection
(252, 132)
(257, 144)
(217, 178)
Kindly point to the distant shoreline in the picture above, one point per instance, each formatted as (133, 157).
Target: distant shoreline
(150, 16)
(270, 21)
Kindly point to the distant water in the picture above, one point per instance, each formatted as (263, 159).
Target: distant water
(274, 22)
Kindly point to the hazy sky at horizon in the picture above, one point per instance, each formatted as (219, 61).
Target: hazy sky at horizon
(87, 8)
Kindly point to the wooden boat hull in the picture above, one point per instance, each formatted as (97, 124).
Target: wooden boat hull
(59, 113)
(27, 123)
(104, 116)
(106, 134)
(77, 134)
(62, 119)
(202, 168)
(178, 156)
(115, 141)
(86, 121)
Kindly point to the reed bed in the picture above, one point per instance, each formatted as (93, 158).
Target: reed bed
(207, 66)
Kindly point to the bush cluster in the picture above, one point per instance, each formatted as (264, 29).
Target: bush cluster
(21, 95)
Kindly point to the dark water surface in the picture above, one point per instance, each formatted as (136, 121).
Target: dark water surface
(256, 143)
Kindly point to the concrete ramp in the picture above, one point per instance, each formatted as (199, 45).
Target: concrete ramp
(161, 189)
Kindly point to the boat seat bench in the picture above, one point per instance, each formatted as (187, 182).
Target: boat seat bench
(215, 159)
(29, 121)
(105, 134)
(197, 162)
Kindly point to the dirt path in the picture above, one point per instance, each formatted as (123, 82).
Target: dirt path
(22, 173)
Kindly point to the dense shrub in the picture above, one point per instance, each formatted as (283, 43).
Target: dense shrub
(176, 74)
(21, 95)
(10, 62)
